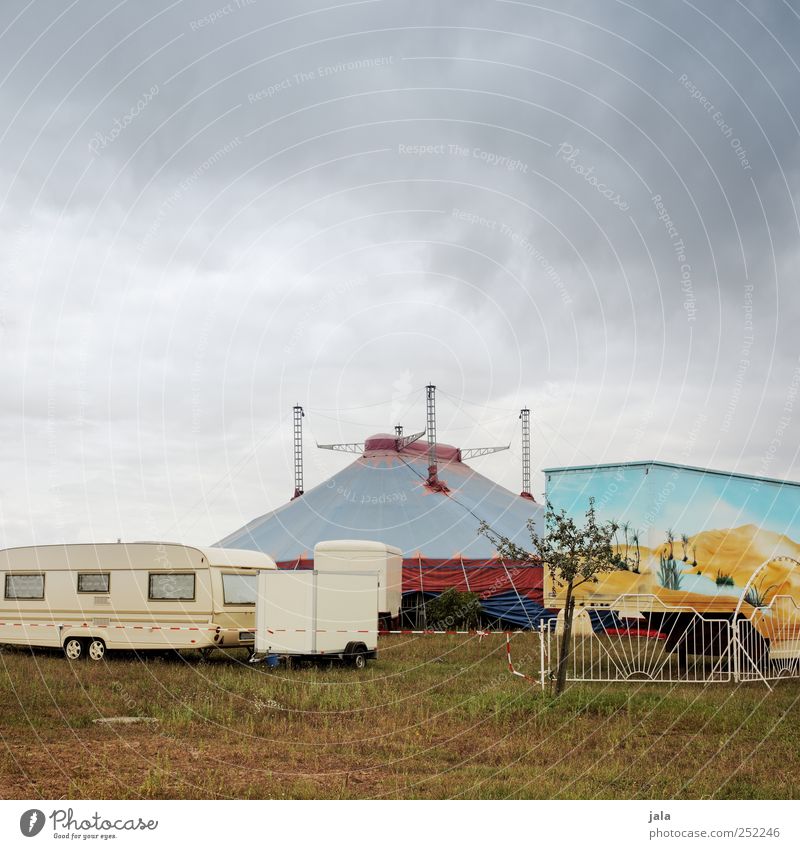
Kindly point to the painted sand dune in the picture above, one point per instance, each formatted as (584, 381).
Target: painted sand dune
(712, 577)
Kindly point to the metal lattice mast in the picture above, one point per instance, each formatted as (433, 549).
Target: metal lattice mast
(430, 427)
(525, 415)
(360, 447)
(404, 441)
(469, 453)
(347, 447)
(298, 451)
(398, 430)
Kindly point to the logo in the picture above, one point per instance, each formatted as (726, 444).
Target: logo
(31, 822)
(66, 825)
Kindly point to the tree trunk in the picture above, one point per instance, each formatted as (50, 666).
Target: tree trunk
(566, 643)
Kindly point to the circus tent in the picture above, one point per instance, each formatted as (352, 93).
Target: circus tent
(385, 495)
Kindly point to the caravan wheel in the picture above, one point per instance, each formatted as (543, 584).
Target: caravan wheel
(97, 649)
(73, 648)
(355, 655)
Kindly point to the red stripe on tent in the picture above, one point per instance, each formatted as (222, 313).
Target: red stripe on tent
(485, 577)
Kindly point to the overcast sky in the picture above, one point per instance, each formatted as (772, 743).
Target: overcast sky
(211, 212)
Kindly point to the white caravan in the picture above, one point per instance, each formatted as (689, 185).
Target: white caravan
(358, 555)
(143, 595)
(312, 615)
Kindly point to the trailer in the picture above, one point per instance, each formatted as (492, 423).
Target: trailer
(317, 616)
(709, 560)
(358, 555)
(88, 599)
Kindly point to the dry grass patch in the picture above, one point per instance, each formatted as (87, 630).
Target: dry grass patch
(435, 717)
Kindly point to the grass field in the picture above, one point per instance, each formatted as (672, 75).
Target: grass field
(434, 717)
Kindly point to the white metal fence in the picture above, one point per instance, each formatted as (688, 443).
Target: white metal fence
(756, 643)
(768, 642)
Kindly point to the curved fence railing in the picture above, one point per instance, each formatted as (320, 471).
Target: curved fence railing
(640, 639)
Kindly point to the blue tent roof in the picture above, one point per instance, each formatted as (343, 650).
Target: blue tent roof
(382, 496)
(515, 609)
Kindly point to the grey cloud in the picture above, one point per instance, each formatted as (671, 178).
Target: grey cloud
(185, 265)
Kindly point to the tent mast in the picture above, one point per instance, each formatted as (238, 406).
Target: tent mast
(525, 415)
(298, 451)
(433, 472)
(430, 427)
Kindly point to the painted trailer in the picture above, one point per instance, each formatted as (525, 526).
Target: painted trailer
(358, 555)
(93, 598)
(694, 546)
(312, 615)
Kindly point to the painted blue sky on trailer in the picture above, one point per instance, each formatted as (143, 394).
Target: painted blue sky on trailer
(655, 497)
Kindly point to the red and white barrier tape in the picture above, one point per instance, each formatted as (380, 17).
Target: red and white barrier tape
(479, 634)
(71, 625)
(220, 630)
(511, 665)
(216, 629)
(311, 630)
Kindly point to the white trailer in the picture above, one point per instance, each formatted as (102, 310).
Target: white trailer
(358, 555)
(86, 599)
(314, 615)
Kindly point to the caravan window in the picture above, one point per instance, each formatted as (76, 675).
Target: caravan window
(94, 582)
(239, 589)
(172, 586)
(25, 586)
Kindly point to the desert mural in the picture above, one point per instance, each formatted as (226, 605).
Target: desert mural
(687, 538)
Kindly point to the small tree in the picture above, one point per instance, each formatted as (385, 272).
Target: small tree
(453, 609)
(572, 555)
